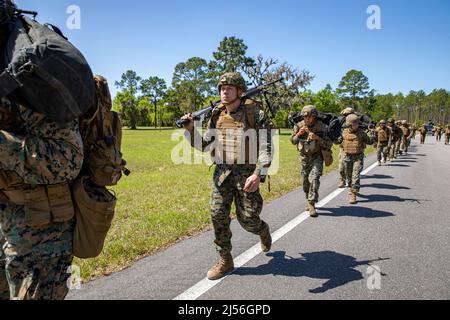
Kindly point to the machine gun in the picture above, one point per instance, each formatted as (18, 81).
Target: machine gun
(206, 113)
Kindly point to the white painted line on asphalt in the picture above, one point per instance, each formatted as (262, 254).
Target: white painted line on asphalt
(205, 285)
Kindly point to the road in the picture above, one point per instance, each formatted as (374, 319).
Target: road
(394, 244)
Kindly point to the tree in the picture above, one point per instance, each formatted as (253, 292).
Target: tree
(231, 56)
(384, 107)
(126, 104)
(284, 96)
(154, 89)
(126, 101)
(129, 82)
(353, 87)
(192, 83)
(326, 101)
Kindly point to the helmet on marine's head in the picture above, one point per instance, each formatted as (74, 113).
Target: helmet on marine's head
(310, 111)
(233, 79)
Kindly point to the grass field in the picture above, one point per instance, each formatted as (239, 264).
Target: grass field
(161, 203)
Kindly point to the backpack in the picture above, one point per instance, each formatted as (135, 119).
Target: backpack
(95, 205)
(46, 72)
(101, 130)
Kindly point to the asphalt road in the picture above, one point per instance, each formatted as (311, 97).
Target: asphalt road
(394, 244)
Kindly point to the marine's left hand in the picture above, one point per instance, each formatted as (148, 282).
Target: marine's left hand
(252, 184)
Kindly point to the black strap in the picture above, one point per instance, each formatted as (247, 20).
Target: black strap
(8, 83)
(56, 30)
(115, 123)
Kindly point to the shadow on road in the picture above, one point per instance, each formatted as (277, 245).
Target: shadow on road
(338, 269)
(385, 186)
(409, 160)
(357, 212)
(378, 177)
(397, 165)
(387, 198)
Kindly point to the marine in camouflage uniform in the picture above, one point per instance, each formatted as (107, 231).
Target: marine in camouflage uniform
(343, 175)
(311, 138)
(423, 134)
(406, 137)
(354, 141)
(35, 256)
(34, 154)
(447, 135)
(439, 131)
(397, 135)
(383, 136)
(226, 129)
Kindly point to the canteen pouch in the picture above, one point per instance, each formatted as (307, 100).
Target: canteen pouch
(94, 211)
(61, 204)
(37, 207)
(327, 157)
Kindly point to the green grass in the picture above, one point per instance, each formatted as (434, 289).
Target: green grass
(161, 203)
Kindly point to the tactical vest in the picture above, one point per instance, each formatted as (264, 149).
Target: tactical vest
(353, 142)
(310, 148)
(406, 131)
(236, 145)
(383, 135)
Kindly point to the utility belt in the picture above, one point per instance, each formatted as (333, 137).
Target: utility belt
(92, 206)
(43, 204)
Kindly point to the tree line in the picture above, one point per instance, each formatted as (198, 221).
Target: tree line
(152, 102)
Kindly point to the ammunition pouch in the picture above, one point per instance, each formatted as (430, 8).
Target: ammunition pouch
(44, 205)
(94, 207)
(327, 157)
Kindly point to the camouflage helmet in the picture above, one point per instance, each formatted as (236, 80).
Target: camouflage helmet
(234, 79)
(391, 121)
(383, 122)
(351, 119)
(7, 10)
(310, 111)
(404, 122)
(347, 111)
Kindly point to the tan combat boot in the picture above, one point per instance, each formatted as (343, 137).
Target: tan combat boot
(312, 210)
(266, 241)
(352, 195)
(341, 184)
(222, 268)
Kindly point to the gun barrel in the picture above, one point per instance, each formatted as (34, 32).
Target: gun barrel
(253, 92)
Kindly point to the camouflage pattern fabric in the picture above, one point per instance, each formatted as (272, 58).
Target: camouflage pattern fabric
(35, 260)
(342, 171)
(261, 122)
(382, 151)
(229, 181)
(312, 165)
(354, 165)
(228, 185)
(311, 172)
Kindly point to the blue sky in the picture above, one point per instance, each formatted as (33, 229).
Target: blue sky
(326, 37)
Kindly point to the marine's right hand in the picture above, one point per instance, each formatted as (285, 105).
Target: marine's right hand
(190, 125)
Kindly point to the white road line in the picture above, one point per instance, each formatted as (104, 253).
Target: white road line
(205, 285)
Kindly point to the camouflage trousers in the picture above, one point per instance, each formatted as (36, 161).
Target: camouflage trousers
(342, 172)
(423, 138)
(354, 166)
(447, 139)
(382, 151)
(33, 261)
(439, 136)
(228, 187)
(405, 145)
(312, 171)
(394, 149)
